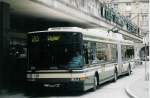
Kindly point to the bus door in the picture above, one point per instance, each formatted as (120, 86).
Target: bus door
(103, 72)
(109, 70)
(122, 68)
(125, 66)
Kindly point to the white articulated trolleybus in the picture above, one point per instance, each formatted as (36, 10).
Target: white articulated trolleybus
(76, 58)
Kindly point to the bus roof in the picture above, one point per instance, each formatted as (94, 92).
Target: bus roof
(93, 33)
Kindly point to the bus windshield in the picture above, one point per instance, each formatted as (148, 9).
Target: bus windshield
(57, 50)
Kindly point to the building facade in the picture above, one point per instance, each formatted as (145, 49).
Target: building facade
(135, 10)
(138, 12)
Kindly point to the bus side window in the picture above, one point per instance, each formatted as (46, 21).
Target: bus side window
(89, 53)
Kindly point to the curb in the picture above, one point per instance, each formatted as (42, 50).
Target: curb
(129, 93)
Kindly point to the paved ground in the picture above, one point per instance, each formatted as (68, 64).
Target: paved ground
(107, 90)
(140, 87)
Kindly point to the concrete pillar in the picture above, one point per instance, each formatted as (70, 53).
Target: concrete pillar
(4, 27)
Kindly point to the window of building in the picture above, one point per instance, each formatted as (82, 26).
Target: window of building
(128, 3)
(144, 17)
(144, 24)
(128, 15)
(144, 10)
(115, 6)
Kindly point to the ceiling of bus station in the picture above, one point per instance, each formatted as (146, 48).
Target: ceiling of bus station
(27, 8)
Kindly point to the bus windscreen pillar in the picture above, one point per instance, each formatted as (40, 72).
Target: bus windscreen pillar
(4, 28)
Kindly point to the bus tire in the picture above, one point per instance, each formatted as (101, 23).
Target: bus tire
(95, 84)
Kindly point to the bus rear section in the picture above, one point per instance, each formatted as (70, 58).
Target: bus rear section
(52, 57)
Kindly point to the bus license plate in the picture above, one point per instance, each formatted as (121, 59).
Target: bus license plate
(52, 85)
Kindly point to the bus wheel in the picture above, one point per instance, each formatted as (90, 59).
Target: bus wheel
(115, 76)
(95, 83)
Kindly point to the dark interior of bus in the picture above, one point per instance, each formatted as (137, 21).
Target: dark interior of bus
(58, 50)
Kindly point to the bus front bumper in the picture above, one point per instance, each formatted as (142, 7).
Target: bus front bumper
(55, 84)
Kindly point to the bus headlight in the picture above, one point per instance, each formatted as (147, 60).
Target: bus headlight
(82, 78)
(78, 79)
